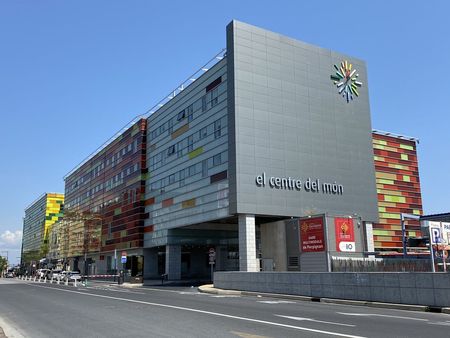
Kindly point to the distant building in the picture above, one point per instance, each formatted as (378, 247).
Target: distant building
(444, 217)
(39, 218)
(398, 188)
(105, 205)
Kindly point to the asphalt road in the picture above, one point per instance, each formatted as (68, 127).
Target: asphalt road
(34, 309)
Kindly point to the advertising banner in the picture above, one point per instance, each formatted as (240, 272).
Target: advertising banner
(345, 234)
(312, 234)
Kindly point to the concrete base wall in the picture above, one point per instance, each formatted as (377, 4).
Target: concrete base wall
(423, 288)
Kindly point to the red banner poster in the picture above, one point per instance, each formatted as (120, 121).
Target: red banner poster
(345, 235)
(312, 235)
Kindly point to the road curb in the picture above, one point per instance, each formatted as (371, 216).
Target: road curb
(209, 288)
(446, 310)
(408, 307)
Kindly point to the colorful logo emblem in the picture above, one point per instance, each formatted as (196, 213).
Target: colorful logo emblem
(345, 80)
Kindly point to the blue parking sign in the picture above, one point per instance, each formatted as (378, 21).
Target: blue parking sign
(123, 259)
(436, 235)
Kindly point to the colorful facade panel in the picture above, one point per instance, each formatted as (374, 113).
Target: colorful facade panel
(39, 219)
(105, 196)
(398, 188)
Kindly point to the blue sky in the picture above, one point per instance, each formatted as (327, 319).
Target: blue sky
(72, 73)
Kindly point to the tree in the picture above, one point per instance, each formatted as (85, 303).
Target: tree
(3, 264)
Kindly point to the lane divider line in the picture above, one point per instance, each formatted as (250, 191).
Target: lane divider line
(217, 314)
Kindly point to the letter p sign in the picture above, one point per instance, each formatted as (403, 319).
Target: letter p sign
(435, 235)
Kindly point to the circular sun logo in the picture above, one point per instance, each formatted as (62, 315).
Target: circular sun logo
(345, 80)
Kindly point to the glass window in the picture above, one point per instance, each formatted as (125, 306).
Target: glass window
(171, 150)
(190, 143)
(217, 129)
(192, 170)
(204, 103)
(217, 160)
(203, 133)
(190, 112)
(181, 115)
(214, 97)
(204, 168)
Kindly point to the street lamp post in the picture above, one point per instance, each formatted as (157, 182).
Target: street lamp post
(402, 219)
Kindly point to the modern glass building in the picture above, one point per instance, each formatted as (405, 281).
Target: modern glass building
(39, 218)
(398, 188)
(238, 164)
(277, 129)
(105, 205)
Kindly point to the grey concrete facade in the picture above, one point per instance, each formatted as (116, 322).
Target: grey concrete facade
(287, 120)
(423, 288)
(263, 134)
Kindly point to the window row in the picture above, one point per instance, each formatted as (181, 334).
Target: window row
(189, 143)
(207, 101)
(111, 160)
(168, 126)
(108, 185)
(197, 168)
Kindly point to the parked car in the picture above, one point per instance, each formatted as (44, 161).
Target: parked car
(70, 276)
(9, 274)
(42, 273)
(54, 274)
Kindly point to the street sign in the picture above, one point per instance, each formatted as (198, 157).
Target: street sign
(124, 257)
(435, 235)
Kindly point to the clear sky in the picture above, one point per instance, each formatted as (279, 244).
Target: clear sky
(72, 73)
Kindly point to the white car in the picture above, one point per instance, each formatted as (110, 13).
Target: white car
(70, 276)
(41, 273)
(55, 274)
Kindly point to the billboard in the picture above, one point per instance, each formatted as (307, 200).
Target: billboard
(345, 234)
(312, 234)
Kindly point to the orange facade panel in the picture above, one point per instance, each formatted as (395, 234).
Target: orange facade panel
(398, 185)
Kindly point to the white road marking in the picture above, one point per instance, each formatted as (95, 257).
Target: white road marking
(10, 330)
(217, 314)
(315, 320)
(111, 289)
(378, 315)
(446, 323)
(276, 301)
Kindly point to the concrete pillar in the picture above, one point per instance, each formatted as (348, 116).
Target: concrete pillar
(173, 262)
(247, 243)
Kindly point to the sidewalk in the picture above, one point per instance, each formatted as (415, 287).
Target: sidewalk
(209, 288)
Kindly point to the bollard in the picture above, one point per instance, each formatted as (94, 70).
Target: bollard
(58, 281)
(45, 280)
(75, 283)
(67, 282)
(34, 279)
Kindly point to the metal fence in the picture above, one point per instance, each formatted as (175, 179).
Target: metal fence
(381, 265)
